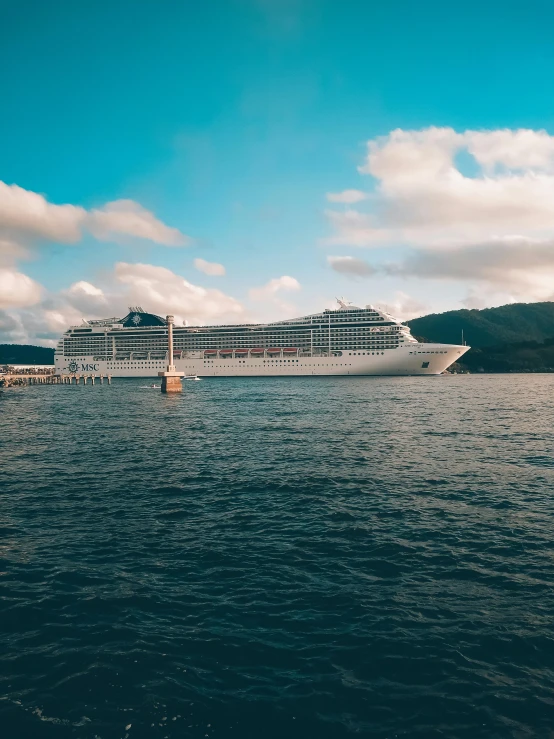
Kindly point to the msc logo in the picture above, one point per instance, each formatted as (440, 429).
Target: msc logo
(74, 367)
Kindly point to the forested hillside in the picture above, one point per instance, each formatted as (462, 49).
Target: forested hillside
(525, 356)
(516, 322)
(25, 354)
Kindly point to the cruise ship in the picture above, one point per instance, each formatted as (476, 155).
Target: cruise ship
(346, 341)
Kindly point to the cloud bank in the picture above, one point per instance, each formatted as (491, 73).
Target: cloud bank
(28, 311)
(476, 206)
(27, 215)
(351, 266)
(17, 290)
(29, 314)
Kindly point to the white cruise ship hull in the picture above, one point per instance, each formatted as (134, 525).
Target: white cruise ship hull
(407, 360)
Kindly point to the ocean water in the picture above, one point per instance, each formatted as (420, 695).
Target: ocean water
(289, 557)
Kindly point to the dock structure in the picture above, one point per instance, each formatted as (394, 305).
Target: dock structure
(15, 379)
(171, 379)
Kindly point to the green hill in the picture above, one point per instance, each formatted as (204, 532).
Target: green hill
(517, 322)
(25, 354)
(524, 356)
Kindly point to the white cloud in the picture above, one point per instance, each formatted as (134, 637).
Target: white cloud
(495, 227)
(423, 198)
(84, 296)
(269, 298)
(157, 289)
(122, 218)
(404, 307)
(351, 266)
(27, 215)
(519, 267)
(523, 149)
(17, 290)
(347, 196)
(10, 252)
(209, 268)
(161, 291)
(271, 288)
(58, 320)
(85, 288)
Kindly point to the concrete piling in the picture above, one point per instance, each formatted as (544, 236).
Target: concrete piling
(171, 379)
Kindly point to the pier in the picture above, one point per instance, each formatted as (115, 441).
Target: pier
(25, 379)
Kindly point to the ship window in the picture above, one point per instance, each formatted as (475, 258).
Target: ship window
(424, 365)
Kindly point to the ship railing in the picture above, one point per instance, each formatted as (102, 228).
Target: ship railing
(243, 353)
(263, 353)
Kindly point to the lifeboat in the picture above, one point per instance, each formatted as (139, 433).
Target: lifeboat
(210, 351)
(290, 350)
(241, 351)
(225, 351)
(257, 351)
(274, 350)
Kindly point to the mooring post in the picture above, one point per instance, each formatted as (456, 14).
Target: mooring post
(109, 379)
(92, 377)
(101, 379)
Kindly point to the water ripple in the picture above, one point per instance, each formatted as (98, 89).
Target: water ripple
(292, 557)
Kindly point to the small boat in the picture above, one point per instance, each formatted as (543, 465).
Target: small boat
(192, 377)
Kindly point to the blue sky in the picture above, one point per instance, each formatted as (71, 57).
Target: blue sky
(232, 120)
